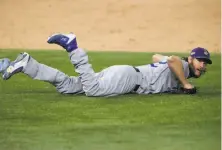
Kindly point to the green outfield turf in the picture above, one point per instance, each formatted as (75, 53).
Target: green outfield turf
(34, 117)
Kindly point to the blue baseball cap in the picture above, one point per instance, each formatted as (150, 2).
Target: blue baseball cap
(201, 53)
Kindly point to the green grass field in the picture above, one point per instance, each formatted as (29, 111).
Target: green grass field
(33, 116)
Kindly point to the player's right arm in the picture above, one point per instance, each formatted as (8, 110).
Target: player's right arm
(158, 58)
(176, 66)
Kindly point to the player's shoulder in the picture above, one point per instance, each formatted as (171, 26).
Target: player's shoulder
(185, 63)
(184, 60)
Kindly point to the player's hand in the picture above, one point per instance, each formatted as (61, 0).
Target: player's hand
(189, 89)
(188, 86)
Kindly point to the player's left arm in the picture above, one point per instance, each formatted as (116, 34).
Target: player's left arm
(159, 58)
(176, 66)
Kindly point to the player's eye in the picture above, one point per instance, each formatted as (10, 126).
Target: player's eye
(202, 60)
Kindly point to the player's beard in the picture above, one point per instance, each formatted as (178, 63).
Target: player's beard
(192, 72)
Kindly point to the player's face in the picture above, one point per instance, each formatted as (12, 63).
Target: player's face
(199, 66)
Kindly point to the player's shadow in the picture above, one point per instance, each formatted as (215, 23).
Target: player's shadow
(18, 92)
(210, 94)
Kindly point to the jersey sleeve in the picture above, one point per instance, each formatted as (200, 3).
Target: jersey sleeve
(186, 68)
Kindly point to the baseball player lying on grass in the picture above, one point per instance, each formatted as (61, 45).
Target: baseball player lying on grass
(164, 75)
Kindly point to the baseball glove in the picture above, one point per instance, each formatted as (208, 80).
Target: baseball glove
(188, 91)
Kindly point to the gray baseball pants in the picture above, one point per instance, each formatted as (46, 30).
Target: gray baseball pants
(114, 80)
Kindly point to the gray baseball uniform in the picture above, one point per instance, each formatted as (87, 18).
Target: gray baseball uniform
(114, 80)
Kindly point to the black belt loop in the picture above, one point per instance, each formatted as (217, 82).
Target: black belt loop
(137, 70)
(137, 86)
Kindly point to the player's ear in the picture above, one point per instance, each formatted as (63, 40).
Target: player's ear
(190, 59)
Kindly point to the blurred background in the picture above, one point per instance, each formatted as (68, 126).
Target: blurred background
(118, 25)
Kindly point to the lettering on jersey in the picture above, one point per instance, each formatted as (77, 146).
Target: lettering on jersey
(153, 65)
(156, 64)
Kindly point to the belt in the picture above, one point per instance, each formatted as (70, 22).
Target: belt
(137, 86)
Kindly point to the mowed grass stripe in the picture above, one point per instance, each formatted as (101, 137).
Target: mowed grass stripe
(33, 116)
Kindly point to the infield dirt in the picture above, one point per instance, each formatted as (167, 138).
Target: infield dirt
(118, 25)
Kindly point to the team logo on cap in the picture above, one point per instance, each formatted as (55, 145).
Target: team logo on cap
(192, 53)
(205, 52)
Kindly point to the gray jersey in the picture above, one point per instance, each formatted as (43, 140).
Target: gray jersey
(158, 78)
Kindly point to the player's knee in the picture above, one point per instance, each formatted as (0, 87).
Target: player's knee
(61, 90)
(65, 91)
